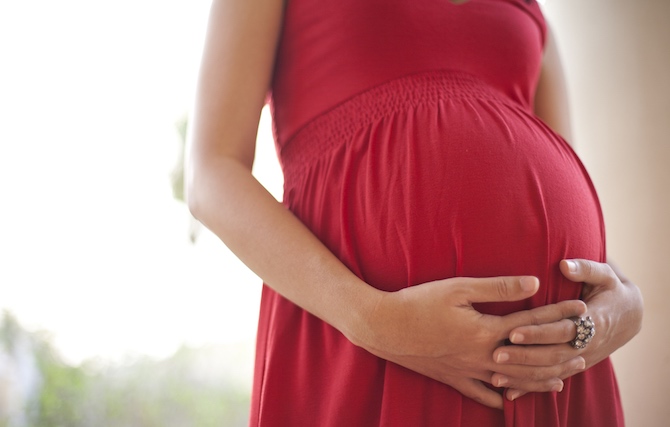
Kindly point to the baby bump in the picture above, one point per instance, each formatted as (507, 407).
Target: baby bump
(438, 177)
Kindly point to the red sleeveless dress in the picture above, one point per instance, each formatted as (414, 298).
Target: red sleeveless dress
(407, 138)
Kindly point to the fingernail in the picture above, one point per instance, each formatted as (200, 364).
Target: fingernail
(511, 395)
(528, 284)
(516, 338)
(581, 364)
(557, 388)
(572, 266)
(502, 357)
(502, 381)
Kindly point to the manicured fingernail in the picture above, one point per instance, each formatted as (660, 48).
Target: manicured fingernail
(502, 381)
(557, 388)
(528, 284)
(572, 266)
(502, 357)
(511, 395)
(581, 364)
(516, 338)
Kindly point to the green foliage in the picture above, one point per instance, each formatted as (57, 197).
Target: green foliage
(63, 390)
(177, 174)
(168, 393)
(191, 388)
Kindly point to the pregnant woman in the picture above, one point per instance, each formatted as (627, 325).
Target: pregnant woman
(416, 273)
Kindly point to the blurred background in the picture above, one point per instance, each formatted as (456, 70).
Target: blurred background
(119, 310)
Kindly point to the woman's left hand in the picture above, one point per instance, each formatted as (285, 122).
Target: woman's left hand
(614, 304)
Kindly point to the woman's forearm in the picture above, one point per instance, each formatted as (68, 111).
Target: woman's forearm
(274, 244)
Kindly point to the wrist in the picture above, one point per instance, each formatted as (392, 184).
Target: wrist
(358, 324)
(618, 319)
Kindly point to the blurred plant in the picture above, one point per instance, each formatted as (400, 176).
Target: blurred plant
(177, 177)
(63, 391)
(20, 378)
(177, 174)
(193, 387)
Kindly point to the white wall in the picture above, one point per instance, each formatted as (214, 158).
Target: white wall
(617, 58)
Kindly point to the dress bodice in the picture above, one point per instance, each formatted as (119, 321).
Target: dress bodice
(332, 50)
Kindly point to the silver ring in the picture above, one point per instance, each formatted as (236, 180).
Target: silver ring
(586, 329)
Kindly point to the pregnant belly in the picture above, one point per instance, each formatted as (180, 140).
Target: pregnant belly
(449, 181)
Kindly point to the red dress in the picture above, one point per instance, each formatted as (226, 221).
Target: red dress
(409, 146)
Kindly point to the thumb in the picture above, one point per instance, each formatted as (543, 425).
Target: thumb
(590, 272)
(499, 289)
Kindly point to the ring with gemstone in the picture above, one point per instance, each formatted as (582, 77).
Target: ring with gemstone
(586, 329)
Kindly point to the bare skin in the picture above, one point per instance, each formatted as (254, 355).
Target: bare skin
(417, 327)
(613, 302)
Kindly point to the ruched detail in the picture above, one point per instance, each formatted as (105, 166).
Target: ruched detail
(338, 125)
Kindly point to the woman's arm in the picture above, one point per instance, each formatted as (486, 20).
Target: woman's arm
(235, 74)
(612, 300)
(551, 95)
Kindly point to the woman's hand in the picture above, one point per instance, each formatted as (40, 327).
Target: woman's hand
(613, 302)
(433, 329)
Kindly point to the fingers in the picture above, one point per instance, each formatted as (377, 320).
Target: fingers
(538, 378)
(478, 392)
(547, 355)
(550, 333)
(544, 315)
(553, 384)
(513, 394)
(591, 272)
(497, 289)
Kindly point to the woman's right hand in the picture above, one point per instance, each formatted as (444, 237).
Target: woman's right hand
(433, 329)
